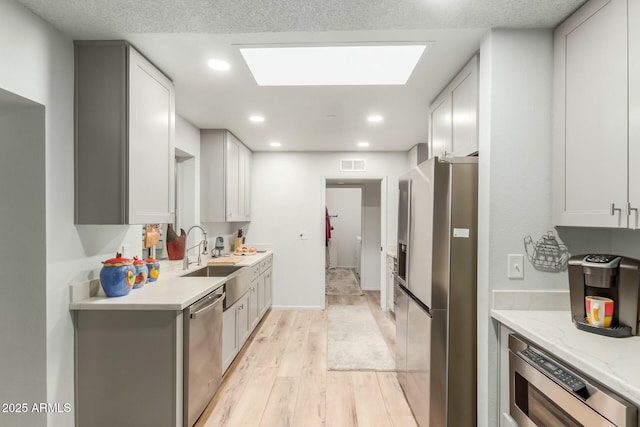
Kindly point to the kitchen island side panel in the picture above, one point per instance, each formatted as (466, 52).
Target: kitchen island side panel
(126, 368)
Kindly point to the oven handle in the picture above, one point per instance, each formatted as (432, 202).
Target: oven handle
(580, 410)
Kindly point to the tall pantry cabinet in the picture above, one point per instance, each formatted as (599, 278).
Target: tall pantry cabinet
(596, 129)
(124, 136)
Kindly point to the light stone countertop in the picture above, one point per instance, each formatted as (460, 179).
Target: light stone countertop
(170, 292)
(613, 362)
(392, 251)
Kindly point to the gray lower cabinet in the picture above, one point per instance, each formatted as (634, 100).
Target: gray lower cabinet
(236, 328)
(229, 337)
(124, 136)
(254, 314)
(128, 368)
(267, 289)
(240, 320)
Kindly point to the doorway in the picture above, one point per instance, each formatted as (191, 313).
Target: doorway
(371, 262)
(344, 211)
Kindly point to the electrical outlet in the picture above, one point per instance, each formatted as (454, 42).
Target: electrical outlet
(304, 235)
(515, 266)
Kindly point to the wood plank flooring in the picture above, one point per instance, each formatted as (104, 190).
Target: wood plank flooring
(281, 378)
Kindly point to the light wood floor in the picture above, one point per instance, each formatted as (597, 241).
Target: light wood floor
(281, 378)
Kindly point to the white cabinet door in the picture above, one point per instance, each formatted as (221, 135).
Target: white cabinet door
(441, 126)
(225, 168)
(634, 112)
(212, 176)
(254, 314)
(590, 173)
(268, 286)
(151, 133)
(242, 318)
(244, 183)
(262, 290)
(464, 110)
(230, 345)
(453, 116)
(232, 179)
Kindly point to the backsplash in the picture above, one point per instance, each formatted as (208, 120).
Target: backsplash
(595, 240)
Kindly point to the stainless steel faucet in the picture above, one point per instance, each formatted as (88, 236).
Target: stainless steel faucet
(203, 242)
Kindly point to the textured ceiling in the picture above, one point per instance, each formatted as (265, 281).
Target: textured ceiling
(88, 18)
(180, 36)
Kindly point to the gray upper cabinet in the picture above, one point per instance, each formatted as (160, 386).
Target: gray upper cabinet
(124, 136)
(453, 115)
(596, 146)
(225, 177)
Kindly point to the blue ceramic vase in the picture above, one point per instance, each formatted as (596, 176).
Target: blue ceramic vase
(154, 269)
(117, 276)
(142, 273)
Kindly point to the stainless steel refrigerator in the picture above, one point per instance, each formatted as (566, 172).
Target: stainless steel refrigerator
(435, 291)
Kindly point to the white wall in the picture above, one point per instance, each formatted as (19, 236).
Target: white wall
(346, 203)
(515, 179)
(371, 239)
(188, 171)
(288, 196)
(38, 65)
(22, 256)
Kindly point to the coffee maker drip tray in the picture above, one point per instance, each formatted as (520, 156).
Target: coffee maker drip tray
(615, 331)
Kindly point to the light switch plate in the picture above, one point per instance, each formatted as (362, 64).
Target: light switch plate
(515, 266)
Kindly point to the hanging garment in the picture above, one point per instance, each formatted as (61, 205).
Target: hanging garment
(328, 227)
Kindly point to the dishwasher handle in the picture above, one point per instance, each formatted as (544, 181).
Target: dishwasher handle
(215, 300)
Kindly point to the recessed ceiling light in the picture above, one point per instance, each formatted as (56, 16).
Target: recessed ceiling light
(333, 65)
(219, 65)
(275, 144)
(363, 144)
(374, 119)
(256, 119)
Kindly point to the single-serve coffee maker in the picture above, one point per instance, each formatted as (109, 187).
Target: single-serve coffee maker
(605, 293)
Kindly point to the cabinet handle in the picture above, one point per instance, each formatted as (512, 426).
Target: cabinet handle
(614, 209)
(635, 218)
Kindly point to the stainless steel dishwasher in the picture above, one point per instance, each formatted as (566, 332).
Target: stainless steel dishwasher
(202, 353)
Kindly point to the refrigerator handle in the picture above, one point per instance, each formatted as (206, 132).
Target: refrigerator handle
(407, 253)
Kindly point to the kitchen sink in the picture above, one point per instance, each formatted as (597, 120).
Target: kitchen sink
(214, 271)
(237, 284)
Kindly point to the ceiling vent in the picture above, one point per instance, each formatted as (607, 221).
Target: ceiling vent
(352, 165)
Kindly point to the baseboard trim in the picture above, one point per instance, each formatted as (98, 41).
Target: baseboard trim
(296, 307)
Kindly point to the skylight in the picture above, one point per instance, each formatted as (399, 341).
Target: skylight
(333, 65)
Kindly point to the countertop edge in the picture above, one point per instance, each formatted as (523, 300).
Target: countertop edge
(581, 360)
(165, 297)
